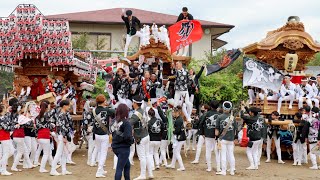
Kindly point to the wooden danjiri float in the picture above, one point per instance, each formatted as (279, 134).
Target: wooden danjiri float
(35, 47)
(288, 49)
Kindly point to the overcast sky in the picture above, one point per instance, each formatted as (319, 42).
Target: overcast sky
(252, 18)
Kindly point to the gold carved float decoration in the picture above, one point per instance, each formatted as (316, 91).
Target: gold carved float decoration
(287, 41)
(159, 50)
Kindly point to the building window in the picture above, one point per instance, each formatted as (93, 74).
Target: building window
(96, 41)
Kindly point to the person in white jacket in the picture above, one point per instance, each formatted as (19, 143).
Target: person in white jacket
(287, 92)
(313, 83)
(305, 93)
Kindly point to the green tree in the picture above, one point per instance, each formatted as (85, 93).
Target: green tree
(81, 42)
(101, 44)
(223, 85)
(99, 87)
(6, 82)
(315, 61)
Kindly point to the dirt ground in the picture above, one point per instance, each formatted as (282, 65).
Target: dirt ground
(193, 172)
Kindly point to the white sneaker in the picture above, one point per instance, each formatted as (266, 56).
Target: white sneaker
(193, 149)
(181, 169)
(71, 163)
(66, 173)
(221, 173)
(314, 167)
(170, 167)
(281, 162)
(294, 164)
(157, 167)
(232, 173)
(55, 173)
(16, 170)
(151, 177)
(100, 176)
(250, 168)
(140, 178)
(43, 171)
(268, 160)
(299, 163)
(6, 173)
(218, 169)
(209, 170)
(93, 165)
(195, 162)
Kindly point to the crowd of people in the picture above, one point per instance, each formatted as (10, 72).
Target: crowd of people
(145, 115)
(146, 112)
(305, 92)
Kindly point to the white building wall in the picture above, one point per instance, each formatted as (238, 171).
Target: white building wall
(118, 32)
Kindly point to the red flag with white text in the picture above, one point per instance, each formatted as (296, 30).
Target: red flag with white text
(184, 33)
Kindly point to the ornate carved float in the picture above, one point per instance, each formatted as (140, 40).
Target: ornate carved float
(289, 39)
(36, 47)
(156, 44)
(288, 44)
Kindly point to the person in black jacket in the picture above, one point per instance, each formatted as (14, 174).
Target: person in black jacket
(101, 131)
(310, 131)
(180, 138)
(192, 133)
(164, 139)
(184, 15)
(298, 143)
(181, 95)
(142, 138)
(135, 85)
(273, 133)
(208, 126)
(122, 139)
(64, 129)
(193, 87)
(201, 138)
(254, 132)
(155, 129)
(121, 85)
(131, 22)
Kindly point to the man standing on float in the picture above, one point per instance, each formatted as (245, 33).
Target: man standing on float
(131, 23)
(184, 16)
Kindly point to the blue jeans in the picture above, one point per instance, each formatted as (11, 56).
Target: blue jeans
(123, 163)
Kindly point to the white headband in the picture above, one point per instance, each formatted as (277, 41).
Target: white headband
(225, 108)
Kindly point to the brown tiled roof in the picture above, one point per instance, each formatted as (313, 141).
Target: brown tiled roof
(113, 16)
